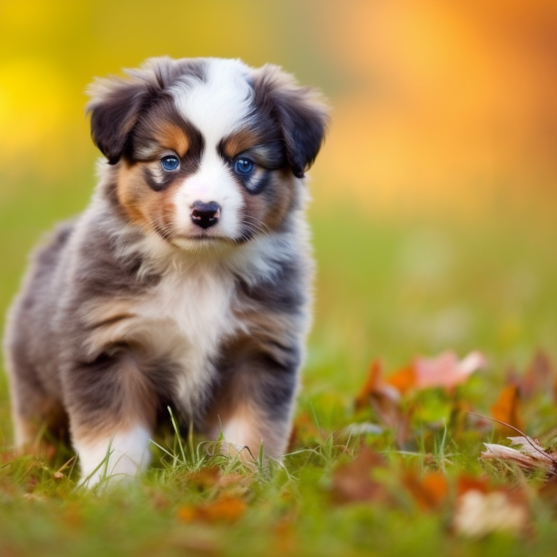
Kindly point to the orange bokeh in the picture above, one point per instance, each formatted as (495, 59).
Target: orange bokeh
(436, 103)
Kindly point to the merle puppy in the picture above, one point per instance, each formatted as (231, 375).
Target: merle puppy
(186, 282)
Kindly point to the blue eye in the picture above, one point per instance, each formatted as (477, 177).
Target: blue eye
(170, 163)
(243, 166)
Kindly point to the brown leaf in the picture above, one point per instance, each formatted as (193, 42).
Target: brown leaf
(429, 491)
(370, 385)
(352, 482)
(303, 430)
(232, 479)
(385, 400)
(507, 408)
(529, 456)
(223, 509)
(466, 483)
(205, 477)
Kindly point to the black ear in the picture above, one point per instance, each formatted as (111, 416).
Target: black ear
(117, 103)
(115, 108)
(300, 111)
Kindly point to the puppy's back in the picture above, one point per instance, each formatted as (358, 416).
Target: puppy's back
(30, 343)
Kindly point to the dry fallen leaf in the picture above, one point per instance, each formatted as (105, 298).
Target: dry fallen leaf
(205, 477)
(446, 370)
(352, 482)
(224, 509)
(529, 456)
(375, 386)
(303, 429)
(385, 400)
(482, 508)
(404, 379)
(429, 491)
(507, 408)
(479, 514)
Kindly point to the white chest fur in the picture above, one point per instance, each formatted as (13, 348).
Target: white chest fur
(185, 316)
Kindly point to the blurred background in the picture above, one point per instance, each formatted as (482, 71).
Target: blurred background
(434, 204)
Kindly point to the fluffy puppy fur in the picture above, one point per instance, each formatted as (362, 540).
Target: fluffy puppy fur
(186, 282)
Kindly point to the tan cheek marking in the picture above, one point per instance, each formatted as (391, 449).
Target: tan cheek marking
(172, 137)
(283, 183)
(133, 193)
(255, 207)
(269, 209)
(144, 206)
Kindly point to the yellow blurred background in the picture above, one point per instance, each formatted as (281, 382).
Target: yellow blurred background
(439, 105)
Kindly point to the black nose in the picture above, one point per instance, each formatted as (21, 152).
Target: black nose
(205, 214)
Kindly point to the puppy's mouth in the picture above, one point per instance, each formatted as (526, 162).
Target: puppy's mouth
(199, 243)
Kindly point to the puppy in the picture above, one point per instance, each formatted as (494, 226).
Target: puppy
(186, 282)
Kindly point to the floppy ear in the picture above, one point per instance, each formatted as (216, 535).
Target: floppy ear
(300, 111)
(117, 103)
(115, 107)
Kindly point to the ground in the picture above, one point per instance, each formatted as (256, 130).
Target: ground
(370, 470)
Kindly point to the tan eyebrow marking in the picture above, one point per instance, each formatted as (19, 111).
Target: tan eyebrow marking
(172, 137)
(240, 141)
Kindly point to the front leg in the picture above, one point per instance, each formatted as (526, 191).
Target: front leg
(253, 406)
(112, 411)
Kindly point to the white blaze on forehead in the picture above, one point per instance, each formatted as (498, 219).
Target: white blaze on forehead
(217, 107)
(212, 182)
(220, 103)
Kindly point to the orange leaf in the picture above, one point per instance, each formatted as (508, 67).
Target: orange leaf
(507, 407)
(466, 483)
(186, 513)
(224, 509)
(430, 491)
(370, 386)
(385, 400)
(404, 379)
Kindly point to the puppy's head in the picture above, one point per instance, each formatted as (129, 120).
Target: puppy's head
(206, 150)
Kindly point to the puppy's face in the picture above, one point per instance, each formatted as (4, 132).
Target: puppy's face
(206, 151)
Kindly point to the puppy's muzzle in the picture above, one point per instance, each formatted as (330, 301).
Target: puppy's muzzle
(205, 215)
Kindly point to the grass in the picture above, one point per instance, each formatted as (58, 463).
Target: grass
(388, 288)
